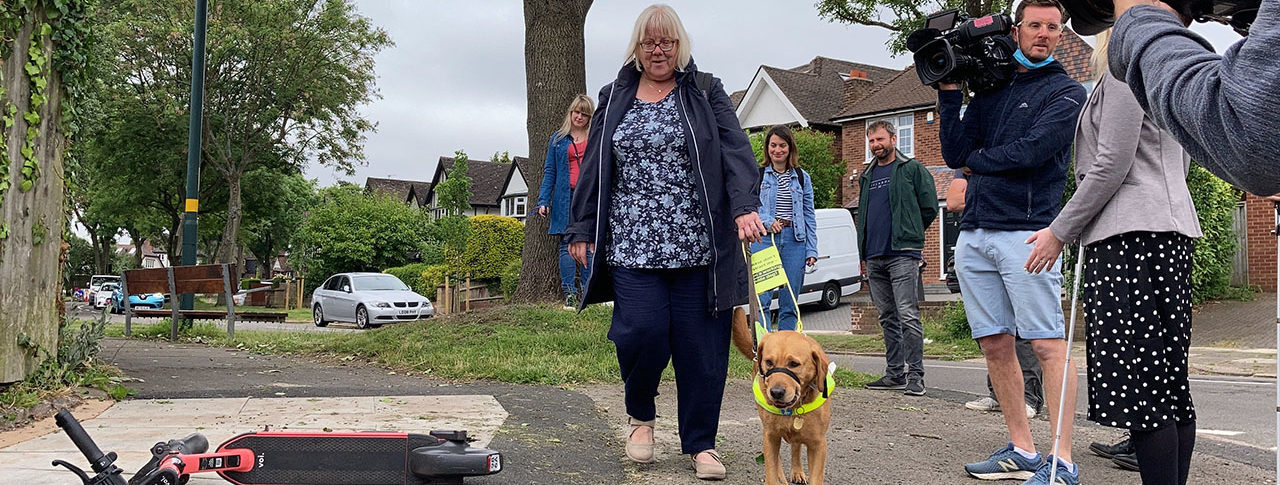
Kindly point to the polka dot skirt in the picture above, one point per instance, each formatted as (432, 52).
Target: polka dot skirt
(1137, 297)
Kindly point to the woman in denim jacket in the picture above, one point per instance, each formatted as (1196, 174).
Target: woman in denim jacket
(565, 152)
(786, 209)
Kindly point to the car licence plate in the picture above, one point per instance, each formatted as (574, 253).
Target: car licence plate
(408, 312)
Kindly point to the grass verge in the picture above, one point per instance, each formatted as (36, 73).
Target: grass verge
(525, 344)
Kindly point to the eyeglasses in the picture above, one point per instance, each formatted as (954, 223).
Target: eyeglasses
(665, 44)
(1036, 26)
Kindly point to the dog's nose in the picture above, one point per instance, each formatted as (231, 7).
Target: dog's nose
(777, 393)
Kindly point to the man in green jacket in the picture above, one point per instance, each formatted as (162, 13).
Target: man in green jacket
(897, 201)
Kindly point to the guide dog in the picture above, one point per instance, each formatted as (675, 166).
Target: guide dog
(791, 385)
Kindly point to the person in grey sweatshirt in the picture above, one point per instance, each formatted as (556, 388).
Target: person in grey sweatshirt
(1220, 108)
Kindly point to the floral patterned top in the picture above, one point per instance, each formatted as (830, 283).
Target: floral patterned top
(655, 219)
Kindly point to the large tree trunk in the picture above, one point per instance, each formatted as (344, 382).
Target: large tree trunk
(554, 73)
(30, 272)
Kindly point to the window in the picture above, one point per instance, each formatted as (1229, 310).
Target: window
(906, 134)
(515, 206)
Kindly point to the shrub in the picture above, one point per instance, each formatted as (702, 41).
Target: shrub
(954, 321)
(510, 277)
(411, 274)
(1215, 202)
(431, 276)
(492, 242)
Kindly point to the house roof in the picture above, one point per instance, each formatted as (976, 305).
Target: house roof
(522, 164)
(816, 89)
(400, 189)
(488, 179)
(905, 91)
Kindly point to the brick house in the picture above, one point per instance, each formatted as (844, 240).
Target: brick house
(1256, 257)
(911, 107)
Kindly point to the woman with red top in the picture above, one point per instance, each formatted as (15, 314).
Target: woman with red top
(559, 177)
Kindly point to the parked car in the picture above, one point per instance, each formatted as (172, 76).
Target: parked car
(154, 301)
(97, 281)
(368, 300)
(102, 296)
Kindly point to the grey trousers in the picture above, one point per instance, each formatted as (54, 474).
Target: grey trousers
(894, 283)
(1031, 375)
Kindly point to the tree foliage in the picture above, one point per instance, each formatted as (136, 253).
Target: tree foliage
(350, 230)
(814, 152)
(275, 204)
(455, 192)
(901, 17)
(284, 81)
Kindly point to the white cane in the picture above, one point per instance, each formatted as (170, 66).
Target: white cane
(1071, 330)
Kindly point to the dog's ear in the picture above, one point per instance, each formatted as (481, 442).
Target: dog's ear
(820, 362)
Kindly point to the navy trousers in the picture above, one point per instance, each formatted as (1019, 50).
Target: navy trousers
(661, 316)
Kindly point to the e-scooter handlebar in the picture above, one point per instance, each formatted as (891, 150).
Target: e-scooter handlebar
(103, 464)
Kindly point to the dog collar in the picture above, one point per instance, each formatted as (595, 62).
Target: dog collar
(816, 403)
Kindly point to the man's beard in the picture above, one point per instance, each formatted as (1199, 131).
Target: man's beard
(879, 157)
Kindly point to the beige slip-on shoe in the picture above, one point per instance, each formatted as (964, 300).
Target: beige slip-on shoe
(708, 471)
(636, 451)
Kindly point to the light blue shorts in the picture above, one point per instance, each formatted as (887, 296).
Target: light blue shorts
(999, 295)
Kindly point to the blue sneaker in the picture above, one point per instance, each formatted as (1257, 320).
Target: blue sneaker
(1064, 477)
(1006, 464)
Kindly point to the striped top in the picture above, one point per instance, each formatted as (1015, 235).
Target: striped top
(784, 209)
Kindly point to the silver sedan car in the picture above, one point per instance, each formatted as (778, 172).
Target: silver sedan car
(368, 300)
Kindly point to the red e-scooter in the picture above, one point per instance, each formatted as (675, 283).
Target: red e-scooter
(295, 458)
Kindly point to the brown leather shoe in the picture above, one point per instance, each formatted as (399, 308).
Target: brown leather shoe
(637, 451)
(708, 471)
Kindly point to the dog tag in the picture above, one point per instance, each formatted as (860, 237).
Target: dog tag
(797, 423)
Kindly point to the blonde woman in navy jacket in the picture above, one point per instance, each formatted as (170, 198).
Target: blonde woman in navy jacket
(565, 151)
(786, 209)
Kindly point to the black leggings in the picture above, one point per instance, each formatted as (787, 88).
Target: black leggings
(1158, 449)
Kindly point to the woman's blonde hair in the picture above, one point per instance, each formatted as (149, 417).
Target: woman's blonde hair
(1098, 61)
(581, 103)
(661, 21)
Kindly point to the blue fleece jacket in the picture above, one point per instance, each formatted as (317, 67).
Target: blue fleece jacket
(1017, 142)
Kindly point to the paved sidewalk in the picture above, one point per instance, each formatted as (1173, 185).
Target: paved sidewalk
(574, 435)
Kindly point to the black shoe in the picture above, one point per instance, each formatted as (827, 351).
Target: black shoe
(887, 384)
(1127, 461)
(1110, 451)
(915, 387)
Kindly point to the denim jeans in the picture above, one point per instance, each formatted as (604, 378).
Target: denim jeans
(792, 253)
(569, 269)
(893, 281)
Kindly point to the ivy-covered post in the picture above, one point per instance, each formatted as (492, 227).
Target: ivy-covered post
(40, 42)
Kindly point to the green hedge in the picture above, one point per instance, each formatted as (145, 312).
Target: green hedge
(1215, 202)
(411, 274)
(510, 278)
(492, 243)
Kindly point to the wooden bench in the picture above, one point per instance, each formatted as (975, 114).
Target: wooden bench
(178, 280)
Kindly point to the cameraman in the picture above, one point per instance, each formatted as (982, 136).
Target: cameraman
(1015, 142)
(1220, 108)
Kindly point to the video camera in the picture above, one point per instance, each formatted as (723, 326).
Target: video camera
(954, 48)
(1088, 17)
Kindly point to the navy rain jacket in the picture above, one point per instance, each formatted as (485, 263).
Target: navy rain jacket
(726, 178)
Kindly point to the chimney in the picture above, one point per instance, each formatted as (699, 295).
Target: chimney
(855, 88)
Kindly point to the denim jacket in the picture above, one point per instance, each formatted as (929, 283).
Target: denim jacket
(802, 204)
(555, 190)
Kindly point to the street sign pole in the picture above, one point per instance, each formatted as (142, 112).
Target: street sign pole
(192, 206)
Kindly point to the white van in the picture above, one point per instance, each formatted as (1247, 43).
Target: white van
(96, 281)
(838, 272)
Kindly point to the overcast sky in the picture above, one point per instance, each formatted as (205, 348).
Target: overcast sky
(455, 78)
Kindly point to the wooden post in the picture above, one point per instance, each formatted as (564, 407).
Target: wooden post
(302, 285)
(448, 302)
(128, 309)
(467, 305)
(173, 300)
(231, 304)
